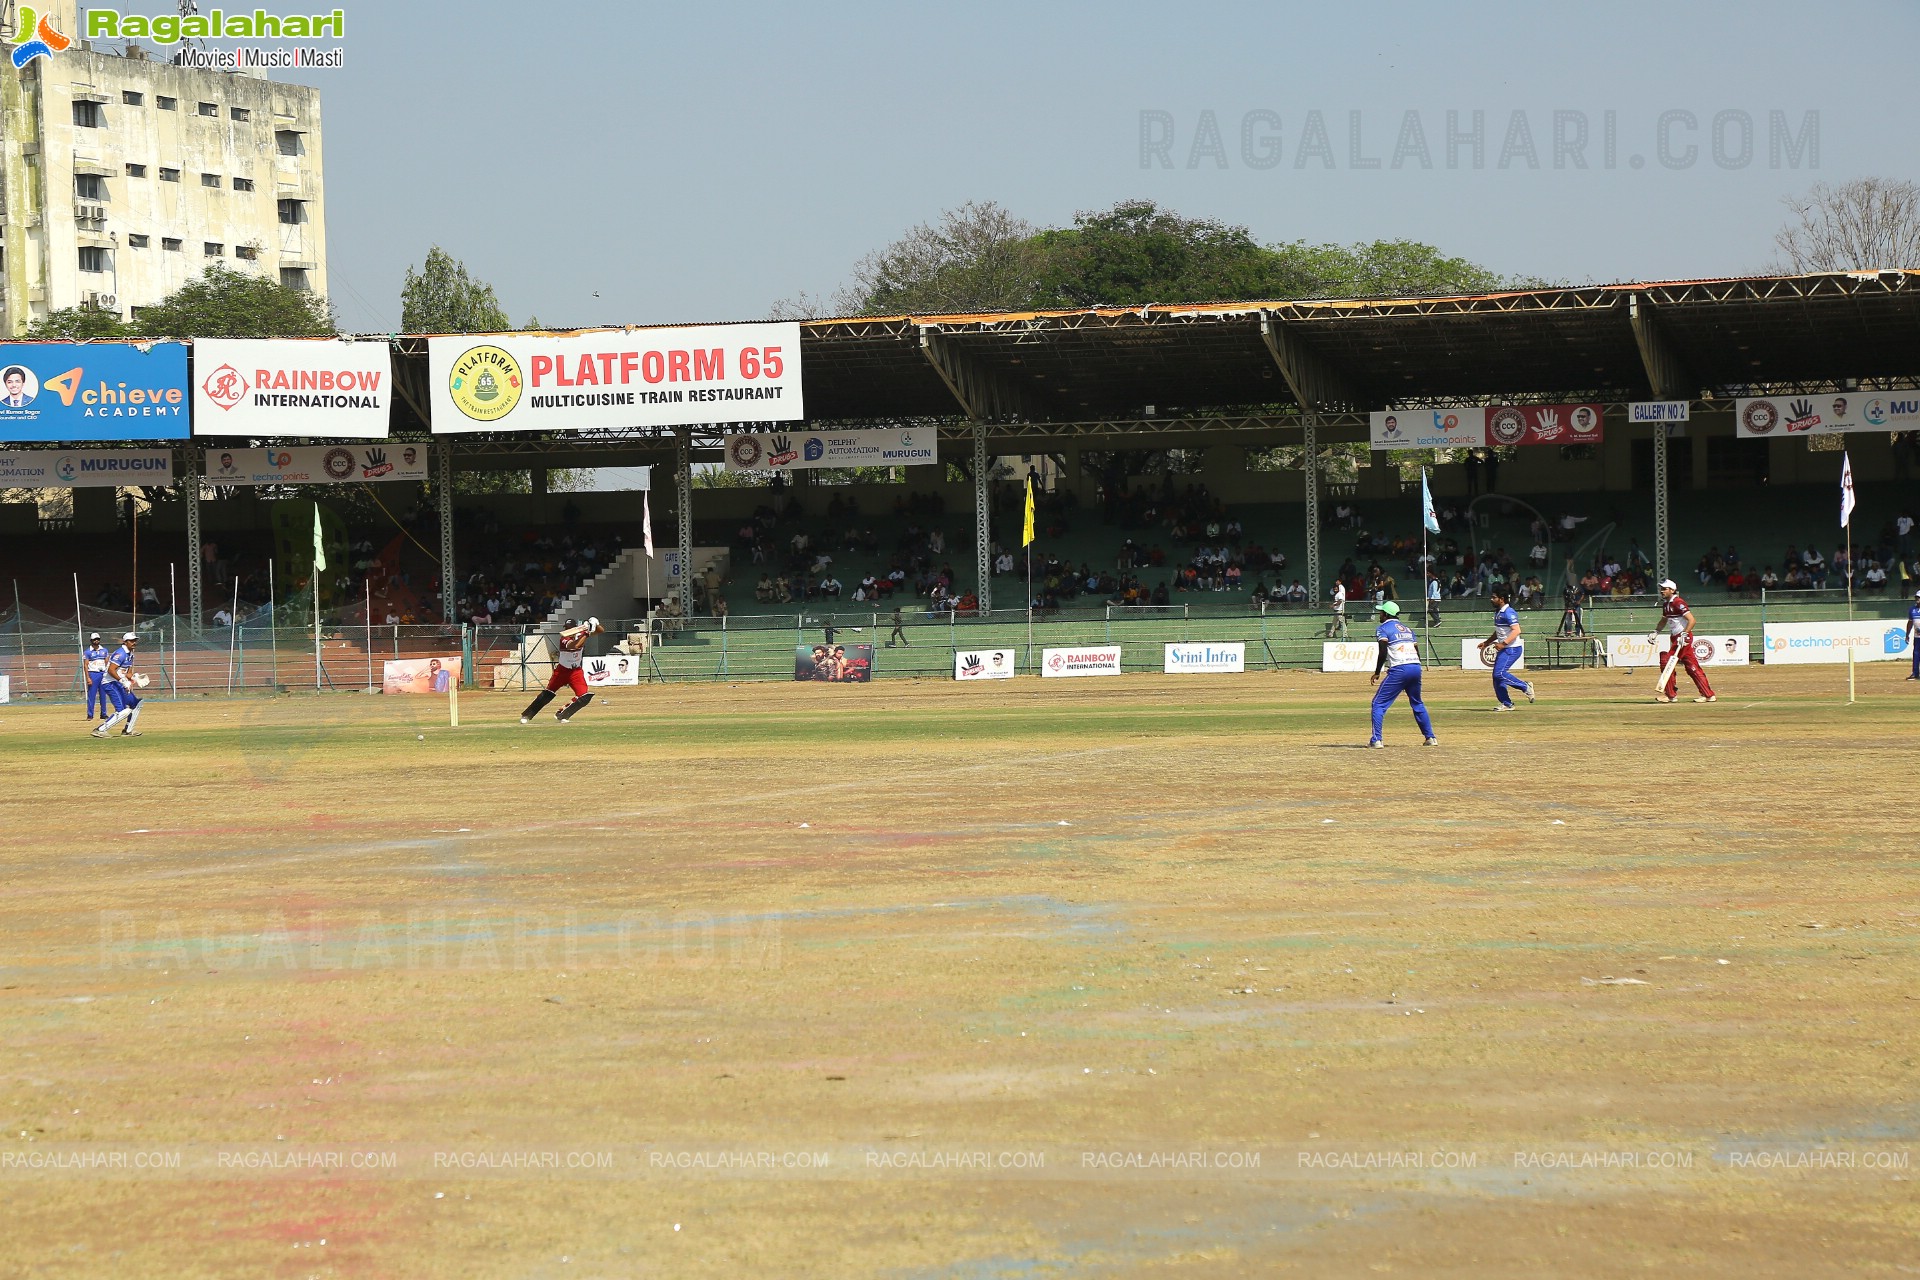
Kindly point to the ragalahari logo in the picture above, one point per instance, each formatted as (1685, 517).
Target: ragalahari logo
(36, 38)
(225, 386)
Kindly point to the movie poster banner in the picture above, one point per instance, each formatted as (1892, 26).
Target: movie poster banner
(320, 389)
(86, 469)
(1513, 424)
(420, 675)
(93, 391)
(799, 451)
(616, 670)
(624, 378)
(984, 664)
(1712, 651)
(1103, 661)
(1451, 427)
(316, 464)
(1759, 417)
(833, 664)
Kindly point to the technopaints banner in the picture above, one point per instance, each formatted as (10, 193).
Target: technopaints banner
(317, 464)
(93, 391)
(1868, 640)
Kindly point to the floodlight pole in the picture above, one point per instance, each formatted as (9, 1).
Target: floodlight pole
(683, 515)
(1310, 465)
(190, 481)
(983, 521)
(443, 490)
(1661, 518)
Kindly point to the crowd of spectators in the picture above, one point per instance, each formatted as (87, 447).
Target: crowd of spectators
(521, 584)
(798, 565)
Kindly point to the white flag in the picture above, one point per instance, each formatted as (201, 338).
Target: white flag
(646, 522)
(1846, 489)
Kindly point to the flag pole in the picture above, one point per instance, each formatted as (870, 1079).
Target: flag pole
(80, 631)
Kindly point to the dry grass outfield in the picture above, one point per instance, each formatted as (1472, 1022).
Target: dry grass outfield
(1151, 976)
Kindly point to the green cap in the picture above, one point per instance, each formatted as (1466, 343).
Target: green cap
(1387, 607)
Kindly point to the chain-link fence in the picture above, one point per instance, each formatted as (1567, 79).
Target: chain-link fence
(262, 653)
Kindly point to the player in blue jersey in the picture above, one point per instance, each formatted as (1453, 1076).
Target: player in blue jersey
(1913, 634)
(1400, 660)
(1507, 649)
(119, 685)
(95, 658)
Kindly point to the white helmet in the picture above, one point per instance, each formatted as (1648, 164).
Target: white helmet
(1668, 584)
(127, 637)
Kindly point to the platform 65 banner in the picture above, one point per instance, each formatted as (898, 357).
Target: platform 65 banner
(78, 469)
(641, 377)
(96, 391)
(318, 390)
(800, 450)
(317, 464)
(1826, 415)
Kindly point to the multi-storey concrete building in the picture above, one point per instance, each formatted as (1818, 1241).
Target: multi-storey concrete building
(123, 177)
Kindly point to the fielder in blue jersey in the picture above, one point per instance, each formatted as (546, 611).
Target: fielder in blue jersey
(1507, 648)
(1913, 634)
(1400, 659)
(95, 658)
(119, 686)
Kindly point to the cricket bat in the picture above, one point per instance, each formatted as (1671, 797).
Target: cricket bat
(1673, 660)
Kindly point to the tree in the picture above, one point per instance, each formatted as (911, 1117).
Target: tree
(1137, 252)
(1866, 224)
(443, 297)
(224, 303)
(1386, 269)
(78, 324)
(978, 257)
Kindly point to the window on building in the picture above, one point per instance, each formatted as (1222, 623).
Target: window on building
(136, 171)
(94, 260)
(169, 175)
(242, 114)
(243, 184)
(89, 186)
(165, 103)
(246, 253)
(137, 242)
(213, 250)
(209, 179)
(293, 212)
(170, 244)
(131, 99)
(294, 278)
(290, 141)
(89, 115)
(211, 110)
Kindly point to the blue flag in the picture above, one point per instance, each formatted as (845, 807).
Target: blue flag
(1426, 504)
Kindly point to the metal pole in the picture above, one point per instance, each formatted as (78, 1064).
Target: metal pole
(683, 518)
(233, 632)
(20, 630)
(80, 633)
(315, 574)
(173, 621)
(1660, 513)
(369, 635)
(983, 520)
(1311, 445)
(443, 484)
(195, 568)
(133, 507)
(273, 625)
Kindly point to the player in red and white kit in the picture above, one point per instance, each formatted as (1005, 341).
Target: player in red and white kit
(1676, 626)
(571, 652)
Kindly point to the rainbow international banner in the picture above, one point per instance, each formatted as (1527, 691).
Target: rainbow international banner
(1759, 417)
(1100, 661)
(86, 468)
(292, 389)
(93, 391)
(317, 464)
(616, 378)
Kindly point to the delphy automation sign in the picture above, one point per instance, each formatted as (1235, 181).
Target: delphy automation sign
(616, 378)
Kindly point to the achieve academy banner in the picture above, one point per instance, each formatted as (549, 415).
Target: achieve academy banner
(93, 391)
(616, 378)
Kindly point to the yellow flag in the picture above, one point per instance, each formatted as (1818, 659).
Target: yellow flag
(1026, 538)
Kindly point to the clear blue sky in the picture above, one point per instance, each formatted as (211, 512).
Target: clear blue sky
(697, 162)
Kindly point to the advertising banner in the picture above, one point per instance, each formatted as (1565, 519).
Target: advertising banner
(420, 675)
(93, 391)
(1349, 655)
(86, 469)
(833, 664)
(798, 451)
(1206, 659)
(1080, 662)
(1764, 416)
(1471, 658)
(1712, 651)
(1510, 424)
(290, 389)
(984, 664)
(616, 670)
(1453, 427)
(317, 464)
(1869, 640)
(628, 378)
(6, 690)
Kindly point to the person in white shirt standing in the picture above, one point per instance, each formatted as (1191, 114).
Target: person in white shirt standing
(1337, 625)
